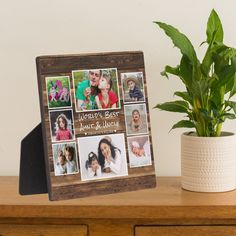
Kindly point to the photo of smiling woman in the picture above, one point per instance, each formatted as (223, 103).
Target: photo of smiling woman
(102, 156)
(109, 156)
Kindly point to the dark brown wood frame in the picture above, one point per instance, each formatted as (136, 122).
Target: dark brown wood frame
(66, 187)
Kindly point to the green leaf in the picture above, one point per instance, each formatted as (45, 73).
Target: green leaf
(226, 76)
(214, 26)
(180, 41)
(231, 104)
(215, 97)
(204, 113)
(215, 112)
(200, 88)
(184, 95)
(183, 124)
(174, 106)
(233, 88)
(228, 53)
(186, 71)
(170, 70)
(214, 54)
(208, 58)
(228, 116)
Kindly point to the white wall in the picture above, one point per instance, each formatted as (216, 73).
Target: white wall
(32, 28)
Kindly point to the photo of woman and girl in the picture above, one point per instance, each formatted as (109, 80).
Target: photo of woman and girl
(139, 151)
(65, 159)
(136, 119)
(103, 159)
(96, 89)
(62, 125)
(58, 91)
(133, 87)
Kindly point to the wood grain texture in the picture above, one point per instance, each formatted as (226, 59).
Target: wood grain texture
(186, 231)
(43, 230)
(110, 229)
(51, 66)
(66, 63)
(121, 184)
(166, 210)
(167, 202)
(75, 179)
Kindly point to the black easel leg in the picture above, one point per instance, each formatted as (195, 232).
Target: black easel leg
(32, 165)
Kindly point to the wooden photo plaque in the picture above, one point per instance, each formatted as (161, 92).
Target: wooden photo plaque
(95, 124)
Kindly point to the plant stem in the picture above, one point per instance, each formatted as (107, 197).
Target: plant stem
(218, 129)
(219, 125)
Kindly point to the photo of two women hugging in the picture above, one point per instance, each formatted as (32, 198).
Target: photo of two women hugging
(96, 89)
(105, 159)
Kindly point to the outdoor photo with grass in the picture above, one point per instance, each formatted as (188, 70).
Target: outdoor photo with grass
(58, 91)
(96, 89)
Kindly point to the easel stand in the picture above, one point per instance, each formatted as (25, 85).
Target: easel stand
(32, 164)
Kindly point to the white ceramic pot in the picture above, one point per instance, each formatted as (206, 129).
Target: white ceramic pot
(208, 164)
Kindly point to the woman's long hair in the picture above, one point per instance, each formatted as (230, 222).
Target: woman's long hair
(101, 157)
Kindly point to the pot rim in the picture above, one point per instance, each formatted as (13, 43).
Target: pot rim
(224, 135)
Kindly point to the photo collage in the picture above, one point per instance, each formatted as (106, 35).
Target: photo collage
(136, 119)
(100, 156)
(61, 122)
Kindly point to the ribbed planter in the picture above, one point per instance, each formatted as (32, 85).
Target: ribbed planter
(208, 164)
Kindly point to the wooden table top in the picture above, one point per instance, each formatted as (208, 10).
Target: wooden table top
(168, 200)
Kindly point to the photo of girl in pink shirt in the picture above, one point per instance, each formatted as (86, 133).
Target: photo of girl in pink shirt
(62, 125)
(63, 133)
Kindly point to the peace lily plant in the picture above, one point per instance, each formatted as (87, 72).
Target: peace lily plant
(210, 83)
(208, 156)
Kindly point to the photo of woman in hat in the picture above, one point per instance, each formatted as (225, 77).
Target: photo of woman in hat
(133, 87)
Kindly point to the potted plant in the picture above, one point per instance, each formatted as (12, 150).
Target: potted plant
(208, 155)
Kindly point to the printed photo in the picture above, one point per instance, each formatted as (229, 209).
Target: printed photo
(96, 89)
(139, 151)
(102, 156)
(58, 92)
(65, 158)
(62, 125)
(133, 87)
(136, 119)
